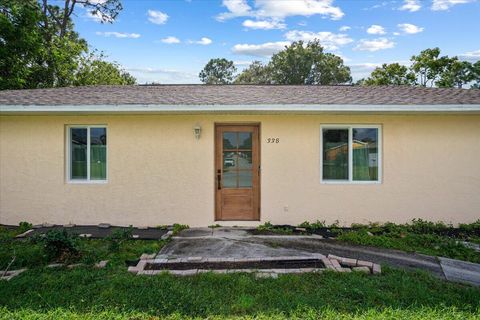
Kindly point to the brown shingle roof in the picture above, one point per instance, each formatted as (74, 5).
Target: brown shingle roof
(239, 95)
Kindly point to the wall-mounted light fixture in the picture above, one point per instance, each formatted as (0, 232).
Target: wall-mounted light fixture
(197, 130)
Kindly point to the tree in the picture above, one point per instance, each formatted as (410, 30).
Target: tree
(20, 43)
(390, 74)
(38, 49)
(476, 75)
(256, 73)
(330, 70)
(456, 74)
(302, 63)
(218, 71)
(94, 70)
(429, 66)
(105, 10)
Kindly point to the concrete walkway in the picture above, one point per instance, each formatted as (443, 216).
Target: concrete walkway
(239, 243)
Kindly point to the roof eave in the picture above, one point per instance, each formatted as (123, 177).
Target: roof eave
(256, 109)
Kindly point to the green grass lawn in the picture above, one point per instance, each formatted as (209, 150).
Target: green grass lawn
(114, 293)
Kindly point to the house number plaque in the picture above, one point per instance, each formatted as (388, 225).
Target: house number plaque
(273, 140)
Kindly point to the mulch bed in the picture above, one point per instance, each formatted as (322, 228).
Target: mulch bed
(279, 264)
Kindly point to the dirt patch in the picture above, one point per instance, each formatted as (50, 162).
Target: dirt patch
(278, 264)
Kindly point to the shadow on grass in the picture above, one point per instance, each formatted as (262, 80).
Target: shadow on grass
(114, 293)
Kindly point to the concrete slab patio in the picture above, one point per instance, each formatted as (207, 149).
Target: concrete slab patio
(239, 243)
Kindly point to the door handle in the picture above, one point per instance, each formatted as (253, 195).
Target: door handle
(219, 179)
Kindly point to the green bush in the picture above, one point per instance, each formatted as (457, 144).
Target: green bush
(24, 226)
(118, 236)
(179, 227)
(59, 245)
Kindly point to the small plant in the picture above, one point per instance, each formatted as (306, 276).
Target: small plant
(267, 226)
(59, 245)
(176, 228)
(162, 227)
(118, 236)
(213, 226)
(24, 226)
(313, 226)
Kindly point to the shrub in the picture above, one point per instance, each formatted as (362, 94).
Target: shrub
(24, 226)
(59, 245)
(118, 236)
(179, 227)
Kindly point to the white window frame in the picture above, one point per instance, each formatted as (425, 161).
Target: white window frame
(68, 155)
(350, 128)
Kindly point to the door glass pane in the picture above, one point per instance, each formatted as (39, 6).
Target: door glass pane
(230, 160)
(245, 179)
(335, 154)
(365, 154)
(245, 160)
(230, 140)
(245, 140)
(78, 157)
(98, 153)
(230, 179)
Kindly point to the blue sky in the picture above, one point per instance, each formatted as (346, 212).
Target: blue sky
(169, 41)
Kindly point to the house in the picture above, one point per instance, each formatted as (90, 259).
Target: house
(239, 154)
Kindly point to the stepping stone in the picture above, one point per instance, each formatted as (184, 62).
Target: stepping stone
(55, 265)
(102, 264)
(70, 225)
(85, 235)
(47, 225)
(461, 271)
(23, 235)
(104, 225)
(361, 269)
(8, 275)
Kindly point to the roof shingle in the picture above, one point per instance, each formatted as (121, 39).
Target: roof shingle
(239, 95)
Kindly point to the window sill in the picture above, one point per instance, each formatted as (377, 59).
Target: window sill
(345, 182)
(87, 181)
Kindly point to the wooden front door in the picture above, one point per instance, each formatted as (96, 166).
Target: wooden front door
(237, 164)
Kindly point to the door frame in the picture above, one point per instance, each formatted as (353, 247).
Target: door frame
(217, 215)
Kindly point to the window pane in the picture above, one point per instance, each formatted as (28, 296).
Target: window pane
(78, 157)
(335, 154)
(365, 154)
(230, 160)
(230, 179)
(245, 179)
(230, 140)
(98, 153)
(245, 140)
(245, 160)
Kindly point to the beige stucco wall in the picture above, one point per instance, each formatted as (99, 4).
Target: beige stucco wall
(159, 174)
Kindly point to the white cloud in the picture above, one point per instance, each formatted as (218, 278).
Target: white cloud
(264, 24)
(236, 8)
(409, 28)
(157, 17)
(260, 50)
(411, 5)
(242, 63)
(374, 45)
(329, 40)
(98, 17)
(439, 5)
(344, 28)
(203, 41)
(281, 9)
(471, 56)
(170, 40)
(159, 75)
(376, 29)
(118, 34)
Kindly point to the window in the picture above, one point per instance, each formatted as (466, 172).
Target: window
(87, 153)
(351, 153)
